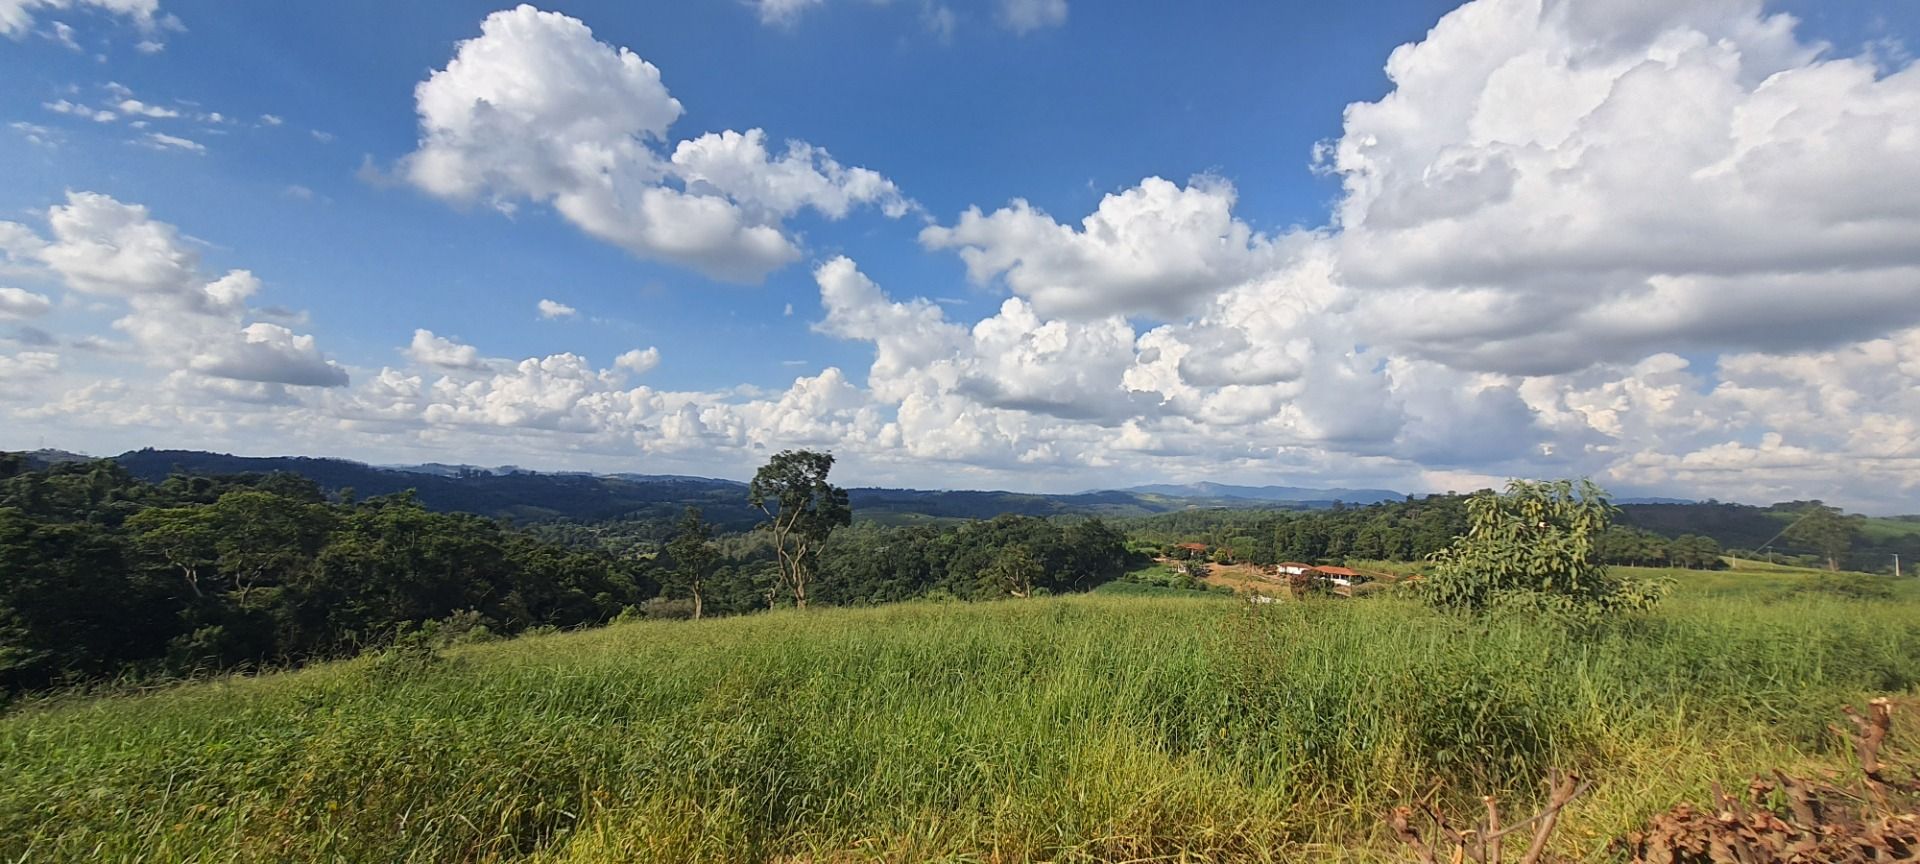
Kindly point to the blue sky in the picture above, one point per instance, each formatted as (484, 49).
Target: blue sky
(1460, 280)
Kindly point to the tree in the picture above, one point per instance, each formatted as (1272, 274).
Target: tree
(1013, 572)
(184, 537)
(802, 509)
(694, 557)
(1537, 540)
(1826, 529)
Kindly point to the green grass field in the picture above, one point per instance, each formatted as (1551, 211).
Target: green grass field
(1185, 726)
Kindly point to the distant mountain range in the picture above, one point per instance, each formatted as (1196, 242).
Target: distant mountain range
(522, 495)
(1287, 494)
(511, 492)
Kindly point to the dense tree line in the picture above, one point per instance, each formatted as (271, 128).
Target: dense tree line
(1399, 531)
(103, 574)
(1637, 547)
(1410, 530)
(1000, 557)
(1811, 533)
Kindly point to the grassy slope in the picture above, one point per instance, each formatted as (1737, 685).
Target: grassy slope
(1085, 728)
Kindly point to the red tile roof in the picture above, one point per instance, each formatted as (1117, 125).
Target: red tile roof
(1337, 571)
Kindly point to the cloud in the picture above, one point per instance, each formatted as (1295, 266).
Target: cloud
(74, 109)
(28, 364)
(1019, 16)
(18, 303)
(783, 13)
(31, 337)
(440, 352)
(63, 34)
(1509, 183)
(176, 315)
(17, 16)
(36, 134)
(551, 309)
(268, 353)
(1026, 16)
(135, 107)
(1156, 249)
(163, 141)
(738, 166)
(536, 109)
(638, 361)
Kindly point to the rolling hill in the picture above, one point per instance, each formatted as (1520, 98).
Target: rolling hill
(533, 496)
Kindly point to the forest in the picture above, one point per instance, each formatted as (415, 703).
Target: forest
(110, 576)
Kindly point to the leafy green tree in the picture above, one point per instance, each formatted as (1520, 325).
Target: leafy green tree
(1013, 573)
(1826, 529)
(1537, 540)
(262, 536)
(186, 538)
(695, 558)
(802, 509)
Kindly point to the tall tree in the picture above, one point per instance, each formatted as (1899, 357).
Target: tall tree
(694, 557)
(1826, 529)
(1012, 573)
(802, 509)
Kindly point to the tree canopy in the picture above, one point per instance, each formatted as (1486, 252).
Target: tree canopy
(802, 510)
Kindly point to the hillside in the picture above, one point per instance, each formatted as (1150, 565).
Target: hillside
(1747, 527)
(530, 495)
(1072, 729)
(1279, 494)
(523, 496)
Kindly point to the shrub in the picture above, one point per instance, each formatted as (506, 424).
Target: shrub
(1371, 589)
(1537, 540)
(1847, 586)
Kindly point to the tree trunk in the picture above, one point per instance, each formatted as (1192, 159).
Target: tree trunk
(696, 602)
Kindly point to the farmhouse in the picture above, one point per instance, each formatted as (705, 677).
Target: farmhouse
(1191, 550)
(1340, 576)
(1292, 568)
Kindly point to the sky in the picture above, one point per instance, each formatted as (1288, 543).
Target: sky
(1040, 245)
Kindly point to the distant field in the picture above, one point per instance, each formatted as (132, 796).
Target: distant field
(1873, 529)
(1072, 729)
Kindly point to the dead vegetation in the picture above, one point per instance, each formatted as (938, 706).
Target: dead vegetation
(1779, 819)
(1486, 841)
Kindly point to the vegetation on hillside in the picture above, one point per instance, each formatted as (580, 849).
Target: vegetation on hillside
(1155, 720)
(1077, 729)
(108, 576)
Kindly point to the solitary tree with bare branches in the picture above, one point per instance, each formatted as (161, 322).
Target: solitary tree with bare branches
(802, 509)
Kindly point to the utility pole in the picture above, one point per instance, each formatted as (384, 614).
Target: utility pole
(1896, 565)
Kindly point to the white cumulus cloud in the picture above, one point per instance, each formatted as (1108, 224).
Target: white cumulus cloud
(177, 316)
(537, 109)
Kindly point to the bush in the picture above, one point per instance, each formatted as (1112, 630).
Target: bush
(1539, 541)
(1846, 586)
(664, 609)
(1371, 589)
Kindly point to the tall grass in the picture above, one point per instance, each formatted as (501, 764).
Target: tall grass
(1074, 729)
